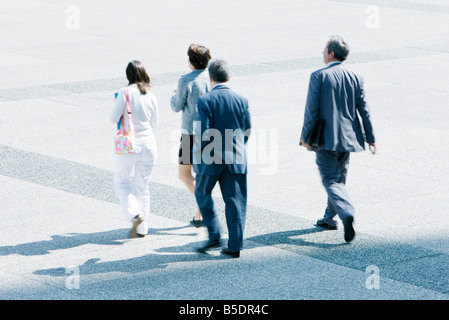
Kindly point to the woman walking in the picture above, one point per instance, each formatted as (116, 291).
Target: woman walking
(190, 87)
(135, 199)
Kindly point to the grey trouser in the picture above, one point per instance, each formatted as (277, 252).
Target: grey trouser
(234, 191)
(333, 167)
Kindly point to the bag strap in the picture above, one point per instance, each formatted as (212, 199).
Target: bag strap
(129, 113)
(128, 105)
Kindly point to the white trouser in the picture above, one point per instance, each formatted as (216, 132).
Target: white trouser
(135, 200)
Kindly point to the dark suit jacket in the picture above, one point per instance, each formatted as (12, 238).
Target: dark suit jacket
(336, 96)
(222, 131)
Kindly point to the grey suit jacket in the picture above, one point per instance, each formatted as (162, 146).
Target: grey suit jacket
(222, 132)
(336, 96)
(190, 87)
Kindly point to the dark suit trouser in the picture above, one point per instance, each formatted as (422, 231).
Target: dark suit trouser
(233, 188)
(333, 167)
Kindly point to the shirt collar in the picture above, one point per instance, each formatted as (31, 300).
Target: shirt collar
(221, 86)
(333, 62)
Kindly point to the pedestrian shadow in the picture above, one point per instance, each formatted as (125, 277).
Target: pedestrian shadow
(160, 259)
(293, 238)
(166, 231)
(67, 241)
(72, 240)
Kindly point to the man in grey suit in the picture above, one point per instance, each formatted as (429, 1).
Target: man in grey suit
(336, 97)
(219, 155)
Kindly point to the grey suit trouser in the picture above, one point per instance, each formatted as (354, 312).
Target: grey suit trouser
(333, 167)
(234, 191)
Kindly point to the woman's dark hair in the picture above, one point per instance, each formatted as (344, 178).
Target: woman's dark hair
(199, 56)
(136, 74)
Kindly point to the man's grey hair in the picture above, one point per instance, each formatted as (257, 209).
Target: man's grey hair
(338, 45)
(219, 70)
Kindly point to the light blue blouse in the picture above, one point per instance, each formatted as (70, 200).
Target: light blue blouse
(190, 87)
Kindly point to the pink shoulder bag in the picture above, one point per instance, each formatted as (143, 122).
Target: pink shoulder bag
(125, 142)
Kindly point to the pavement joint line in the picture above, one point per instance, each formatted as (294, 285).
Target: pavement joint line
(429, 49)
(261, 229)
(161, 79)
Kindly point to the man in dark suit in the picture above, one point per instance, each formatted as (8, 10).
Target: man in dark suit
(219, 155)
(336, 97)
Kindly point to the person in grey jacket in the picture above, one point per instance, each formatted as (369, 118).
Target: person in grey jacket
(336, 97)
(185, 97)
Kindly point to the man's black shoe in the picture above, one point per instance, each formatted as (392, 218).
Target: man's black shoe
(349, 229)
(234, 254)
(323, 224)
(209, 245)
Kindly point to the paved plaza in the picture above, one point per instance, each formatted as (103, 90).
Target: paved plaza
(63, 235)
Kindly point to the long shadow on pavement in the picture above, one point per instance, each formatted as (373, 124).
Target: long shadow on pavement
(398, 261)
(72, 240)
(158, 260)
